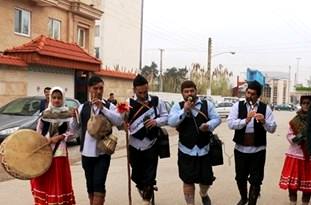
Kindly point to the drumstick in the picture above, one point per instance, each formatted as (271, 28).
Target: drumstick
(77, 116)
(38, 148)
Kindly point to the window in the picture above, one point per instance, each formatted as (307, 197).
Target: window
(97, 52)
(22, 22)
(81, 37)
(54, 28)
(97, 31)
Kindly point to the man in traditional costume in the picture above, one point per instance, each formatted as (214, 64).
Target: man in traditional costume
(146, 115)
(251, 119)
(95, 161)
(195, 120)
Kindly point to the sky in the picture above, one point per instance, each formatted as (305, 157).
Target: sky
(268, 35)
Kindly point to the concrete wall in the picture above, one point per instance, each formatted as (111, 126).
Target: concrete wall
(121, 88)
(119, 40)
(38, 79)
(12, 83)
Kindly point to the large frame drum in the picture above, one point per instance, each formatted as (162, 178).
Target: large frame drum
(25, 154)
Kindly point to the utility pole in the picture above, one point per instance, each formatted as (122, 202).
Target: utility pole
(297, 72)
(289, 76)
(141, 34)
(237, 87)
(209, 57)
(161, 79)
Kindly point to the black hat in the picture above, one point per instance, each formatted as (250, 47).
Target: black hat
(94, 80)
(303, 97)
(139, 80)
(254, 85)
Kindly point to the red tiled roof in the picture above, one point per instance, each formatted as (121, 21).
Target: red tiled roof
(46, 51)
(116, 74)
(13, 61)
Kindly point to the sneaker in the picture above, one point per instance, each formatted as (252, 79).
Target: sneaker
(206, 200)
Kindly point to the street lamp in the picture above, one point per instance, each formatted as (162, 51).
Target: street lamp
(209, 89)
(217, 54)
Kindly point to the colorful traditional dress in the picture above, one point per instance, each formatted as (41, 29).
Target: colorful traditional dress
(54, 186)
(296, 173)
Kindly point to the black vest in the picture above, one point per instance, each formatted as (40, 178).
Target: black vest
(85, 116)
(189, 133)
(61, 129)
(259, 130)
(135, 107)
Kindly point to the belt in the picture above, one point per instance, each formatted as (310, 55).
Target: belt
(249, 139)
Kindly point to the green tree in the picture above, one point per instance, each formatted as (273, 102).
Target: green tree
(221, 81)
(151, 74)
(200, 77)
(173, 78)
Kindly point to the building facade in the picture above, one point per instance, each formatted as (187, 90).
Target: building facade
(279, 84)
(65, 20)
(51, 43)
(117, 34)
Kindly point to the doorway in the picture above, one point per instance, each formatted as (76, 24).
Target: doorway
(81, 78)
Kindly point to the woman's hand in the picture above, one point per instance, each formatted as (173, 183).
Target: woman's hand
(56, 138)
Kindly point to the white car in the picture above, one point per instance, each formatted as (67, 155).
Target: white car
(223, 109)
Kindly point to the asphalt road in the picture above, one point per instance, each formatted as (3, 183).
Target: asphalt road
(223, 191)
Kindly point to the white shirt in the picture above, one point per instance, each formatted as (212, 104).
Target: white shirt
(236, 124)
(146, 143)
(89, 147)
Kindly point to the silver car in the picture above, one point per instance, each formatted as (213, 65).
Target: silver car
(223, 109)
(23, 113)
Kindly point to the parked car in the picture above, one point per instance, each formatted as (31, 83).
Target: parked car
(284, 107)
(23, 113)
(205, 97)
(223, 108)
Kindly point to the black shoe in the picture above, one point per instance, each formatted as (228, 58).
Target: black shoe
(242, 202)
(206, 200)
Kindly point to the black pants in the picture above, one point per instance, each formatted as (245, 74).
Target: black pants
(195, 169)
(250, 167)
(144, 166)
(95, 170)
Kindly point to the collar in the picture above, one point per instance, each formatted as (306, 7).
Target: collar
(149, 98)
(198, 101)
(257, 102)
(103, 101)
